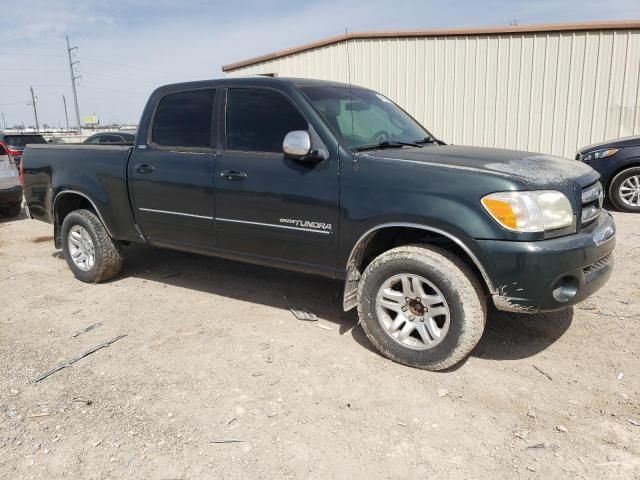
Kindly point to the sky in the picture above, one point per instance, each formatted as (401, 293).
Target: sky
(127, 48)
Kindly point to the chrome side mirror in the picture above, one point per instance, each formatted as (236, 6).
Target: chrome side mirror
(297, 144)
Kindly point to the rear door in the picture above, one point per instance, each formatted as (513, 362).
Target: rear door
(268, 205)
(171, 177)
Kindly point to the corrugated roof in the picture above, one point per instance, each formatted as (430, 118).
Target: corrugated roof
(513, 29)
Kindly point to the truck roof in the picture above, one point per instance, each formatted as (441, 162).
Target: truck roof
(253, 81)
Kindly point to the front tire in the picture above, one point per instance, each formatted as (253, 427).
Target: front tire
(624, 191)
(92, 255)
(421, 306)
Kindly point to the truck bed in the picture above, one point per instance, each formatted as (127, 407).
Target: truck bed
(97, 172)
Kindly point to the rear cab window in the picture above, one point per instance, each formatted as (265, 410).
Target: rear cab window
(185, 119)
(257, 119)
(20, 141)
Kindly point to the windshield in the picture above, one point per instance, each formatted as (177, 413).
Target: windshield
(364, 117)
(19, 141)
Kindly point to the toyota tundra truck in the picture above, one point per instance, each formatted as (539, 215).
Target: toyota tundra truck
(335, 180)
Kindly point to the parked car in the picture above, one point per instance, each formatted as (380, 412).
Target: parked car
(10, 187)
(618, 162)
(335, 180)
(112, 138)
(14, 144)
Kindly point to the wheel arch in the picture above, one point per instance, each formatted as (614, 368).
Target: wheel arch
(385, 236)
(66, 202)
(632, 163)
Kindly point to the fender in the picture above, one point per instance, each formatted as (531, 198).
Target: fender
(353, 274)
(75, 192)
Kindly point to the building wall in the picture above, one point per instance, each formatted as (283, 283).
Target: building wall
(544, 92)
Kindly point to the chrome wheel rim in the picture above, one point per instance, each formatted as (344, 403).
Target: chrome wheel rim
(629, 191)
(81, 249)
(412, 311)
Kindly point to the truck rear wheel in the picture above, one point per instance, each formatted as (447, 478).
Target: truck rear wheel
(421, 306)
(92, 255)
(624, 191)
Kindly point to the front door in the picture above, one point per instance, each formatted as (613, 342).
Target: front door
(171, 180)
(269, 206)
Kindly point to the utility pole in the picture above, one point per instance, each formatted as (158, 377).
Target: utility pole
(35, 110)
(73, 82)
(66, 116)
(4, 122)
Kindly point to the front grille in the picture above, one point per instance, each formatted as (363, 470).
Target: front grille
(591, 198)
(600, 264)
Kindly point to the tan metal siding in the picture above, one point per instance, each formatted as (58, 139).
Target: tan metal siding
(551, 92)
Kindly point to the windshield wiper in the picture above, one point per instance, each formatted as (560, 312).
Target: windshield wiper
(429, 139)
(388, 144)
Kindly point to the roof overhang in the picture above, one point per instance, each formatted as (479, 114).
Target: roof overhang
(507, 30)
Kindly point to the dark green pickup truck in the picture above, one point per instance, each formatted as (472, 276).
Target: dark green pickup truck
(339, 181)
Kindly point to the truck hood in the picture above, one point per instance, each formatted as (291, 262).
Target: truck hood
(534, 170)
(618, 143)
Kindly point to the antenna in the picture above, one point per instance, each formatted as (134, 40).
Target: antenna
(346, 45)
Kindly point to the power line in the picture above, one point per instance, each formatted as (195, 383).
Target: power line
(26, 102)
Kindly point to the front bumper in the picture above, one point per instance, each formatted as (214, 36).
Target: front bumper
(10, 196)
(550, 274)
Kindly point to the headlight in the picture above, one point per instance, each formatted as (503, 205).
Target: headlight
(529, 211)
(598, 154)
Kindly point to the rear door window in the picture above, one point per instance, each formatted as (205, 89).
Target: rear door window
(184, 120)
(258, 119)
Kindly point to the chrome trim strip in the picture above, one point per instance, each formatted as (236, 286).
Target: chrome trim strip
(175, 213)
(63, 192)
(455, 239)
(285, 227)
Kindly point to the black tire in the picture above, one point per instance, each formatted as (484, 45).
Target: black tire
(614, 189)
(108, 259)
(459, 287)
(12, 211)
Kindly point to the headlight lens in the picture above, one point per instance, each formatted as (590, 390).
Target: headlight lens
(537, 211)
(598, 154)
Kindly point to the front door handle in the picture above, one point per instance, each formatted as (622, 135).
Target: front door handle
(233, 175)
(144, 168)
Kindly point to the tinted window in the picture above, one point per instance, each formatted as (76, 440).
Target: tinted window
(94, 139)
(111, 139)
(2, 150)
(184, 119)
(258, 120)
(19, 141)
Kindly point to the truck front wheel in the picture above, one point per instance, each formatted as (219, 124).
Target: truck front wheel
(421, 306)
(92, 255)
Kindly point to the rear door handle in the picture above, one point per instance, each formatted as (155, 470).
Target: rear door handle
(144, 168)
(233, 175)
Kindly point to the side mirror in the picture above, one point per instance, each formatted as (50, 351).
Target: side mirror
(297, 144)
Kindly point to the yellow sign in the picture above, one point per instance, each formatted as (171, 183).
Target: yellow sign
(91, 120)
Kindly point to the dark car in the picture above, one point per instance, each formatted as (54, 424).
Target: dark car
(14, 144)
(618, 163)
(111, 138)
(334, 180)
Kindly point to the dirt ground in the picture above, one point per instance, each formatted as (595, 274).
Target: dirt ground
(212, 354)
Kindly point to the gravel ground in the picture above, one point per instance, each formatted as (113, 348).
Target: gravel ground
(212, 354)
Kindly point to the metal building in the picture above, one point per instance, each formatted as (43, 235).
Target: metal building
(546, 88)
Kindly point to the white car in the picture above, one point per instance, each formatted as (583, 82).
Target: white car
(10, 187)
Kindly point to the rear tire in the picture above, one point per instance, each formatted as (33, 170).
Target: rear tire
(448, 305)
(84, 237)
(12, 211)
(622, 191)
